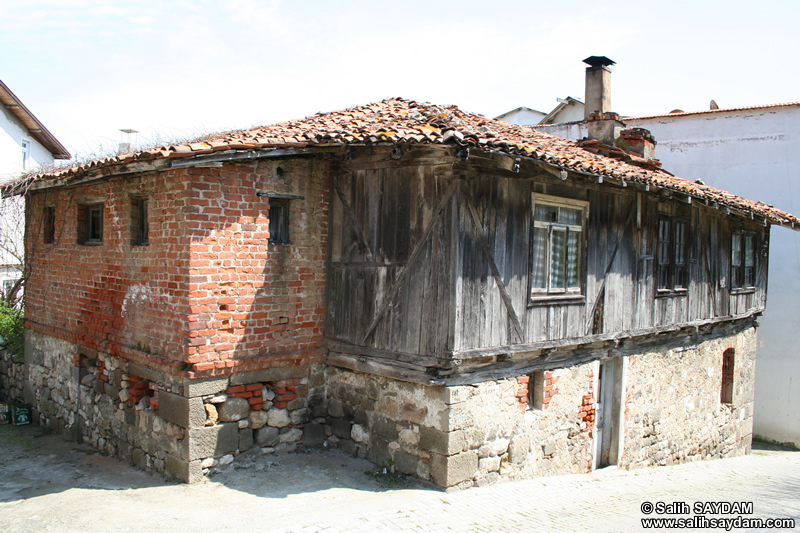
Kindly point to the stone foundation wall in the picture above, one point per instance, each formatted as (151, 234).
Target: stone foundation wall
(460, 436)
(183, 428)
(674, 411)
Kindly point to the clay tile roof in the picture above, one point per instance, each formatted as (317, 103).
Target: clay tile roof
(398, 120)
(715, 111)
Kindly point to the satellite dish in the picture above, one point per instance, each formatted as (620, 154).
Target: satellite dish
(713, 105)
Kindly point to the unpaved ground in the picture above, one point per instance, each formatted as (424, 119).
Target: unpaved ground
(50, 484)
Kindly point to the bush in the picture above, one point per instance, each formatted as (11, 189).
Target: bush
(12, 334)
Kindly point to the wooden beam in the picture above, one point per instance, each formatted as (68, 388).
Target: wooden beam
(362, 241)
(570, 343)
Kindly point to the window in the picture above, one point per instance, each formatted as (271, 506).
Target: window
(726, 392)
(536, 390)
(140, 226)
(49, 225)
(26, 153)
(743, 260)
(278, 221)
(673, 235)
(557, 244)
(90, 224)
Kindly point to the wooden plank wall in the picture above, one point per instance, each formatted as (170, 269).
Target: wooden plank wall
(387, 287)
(427, 260)
(621, 237)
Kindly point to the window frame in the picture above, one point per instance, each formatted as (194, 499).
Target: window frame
(548, 294)
(279, 217)
(86, 224)
(140, 221)
(676, 273)
(25, 145)
(49, 224)
(740, 271)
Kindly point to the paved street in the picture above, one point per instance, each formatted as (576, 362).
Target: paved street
(49, 484)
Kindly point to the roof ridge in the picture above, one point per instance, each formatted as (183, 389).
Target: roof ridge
(399, 120)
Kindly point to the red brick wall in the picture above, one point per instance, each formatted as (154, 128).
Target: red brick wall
(254, 305)
(115, 297)
(208, 291)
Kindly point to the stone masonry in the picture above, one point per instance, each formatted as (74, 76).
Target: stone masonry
(478, 434)
(203, 343)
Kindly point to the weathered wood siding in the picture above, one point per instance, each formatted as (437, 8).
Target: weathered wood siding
(430, 257)
(389, 281)
(621, 256)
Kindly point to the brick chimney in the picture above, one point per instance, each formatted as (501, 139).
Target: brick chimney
(604, 125)
(639, 141)
(598, 85)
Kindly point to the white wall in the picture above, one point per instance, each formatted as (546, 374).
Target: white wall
(523, 117)
(12, 132)
(754, 154)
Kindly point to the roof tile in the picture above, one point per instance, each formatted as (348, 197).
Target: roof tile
(406, 121)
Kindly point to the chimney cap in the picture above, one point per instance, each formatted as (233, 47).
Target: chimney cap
(598, 61)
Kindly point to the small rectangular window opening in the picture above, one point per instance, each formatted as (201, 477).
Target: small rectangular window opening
(140, 224)
(536, 390)
(672, 245)
(279, 221)
(90, 224)
(726, 392)
(26, 154)
(743, 260)
(49, 225)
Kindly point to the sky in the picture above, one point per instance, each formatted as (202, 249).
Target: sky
(180, 69)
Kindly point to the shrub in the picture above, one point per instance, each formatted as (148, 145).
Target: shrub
(12, 334)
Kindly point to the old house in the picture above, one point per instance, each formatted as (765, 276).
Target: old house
(752, 152)
(471, 299)
(25, 145)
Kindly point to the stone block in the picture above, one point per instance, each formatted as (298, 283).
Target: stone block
(313, 434)
(148, 373)
(518, 450)
(269, 374)
(267, 436)
(359, 434)
(258, 419)
(110, 390)
(385, 428)
(139, 458)
(414, 413)
(291, 435)
(361, 417)
(203, 387)
(180, 410)
(335, 408)
(405, 463)
(245, 439)
(447, 471)
(341, 428)
(278, 418)
(233, 409)
(348, 446)
(212, 441)
(441, 442)
(377, 451)
(489, 464)
(188, 471)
